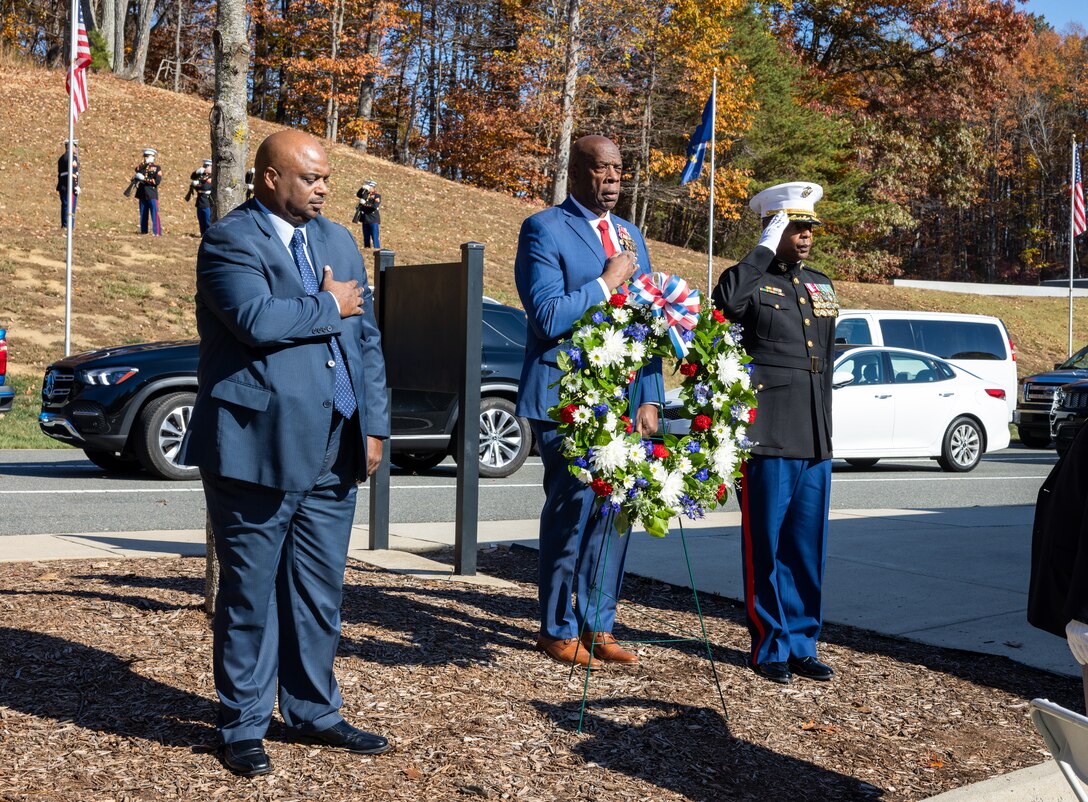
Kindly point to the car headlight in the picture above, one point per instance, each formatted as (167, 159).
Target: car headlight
(108, 376)
(1057, 399)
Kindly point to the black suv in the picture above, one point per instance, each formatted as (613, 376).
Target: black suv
(1032, 416)
(1068, 412)
(128, 407)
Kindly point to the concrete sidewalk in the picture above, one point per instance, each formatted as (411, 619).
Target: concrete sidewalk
(951, 578)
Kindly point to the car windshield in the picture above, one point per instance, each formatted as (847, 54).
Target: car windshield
(508, 322)
(1078, 360)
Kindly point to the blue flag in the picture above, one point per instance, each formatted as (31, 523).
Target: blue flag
(697, 146)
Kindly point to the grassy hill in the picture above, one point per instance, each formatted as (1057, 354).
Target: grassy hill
(128, 288)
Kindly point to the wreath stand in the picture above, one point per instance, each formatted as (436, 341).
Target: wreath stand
(598, 571)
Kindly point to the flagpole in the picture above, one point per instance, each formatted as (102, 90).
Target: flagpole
(71, 222)
(710, 237)
(1072, 235)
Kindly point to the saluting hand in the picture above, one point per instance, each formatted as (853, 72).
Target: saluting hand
(772, 234)
(348, 294)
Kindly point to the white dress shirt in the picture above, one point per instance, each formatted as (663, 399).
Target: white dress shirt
(286, 232)
(593, 221)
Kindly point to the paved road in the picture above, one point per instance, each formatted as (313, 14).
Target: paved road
(54, 491)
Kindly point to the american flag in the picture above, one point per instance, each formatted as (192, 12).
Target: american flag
(76, 82)
(1079, 224)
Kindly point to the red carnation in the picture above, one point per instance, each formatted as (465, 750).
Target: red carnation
(718, 316)
(721, 492)
(627, 420)
(567, 413)
(601, 487)
(617, 299)
(752, 415)
(701, 423)
(660, 451)
(689, 368)
(631, 377)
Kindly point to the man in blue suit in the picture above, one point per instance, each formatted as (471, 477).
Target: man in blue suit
(290, 415)
(570, 258)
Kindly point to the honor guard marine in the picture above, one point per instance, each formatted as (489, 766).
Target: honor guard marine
(147, 177)
(787, 311)
(200, 184)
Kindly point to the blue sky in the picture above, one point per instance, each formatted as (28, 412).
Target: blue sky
(1060, 13)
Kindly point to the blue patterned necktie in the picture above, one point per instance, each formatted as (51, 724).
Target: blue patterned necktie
(344, 395)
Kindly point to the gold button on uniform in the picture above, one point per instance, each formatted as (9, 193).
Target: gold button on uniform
(801, 300)
(796, 280)
(776, 306)
(808, 322)
(759, 386)
(810, 343)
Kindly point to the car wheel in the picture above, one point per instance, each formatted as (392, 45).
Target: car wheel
(160, 429)
(113, 463)
(1033, 438)
(417, 461)
(505, 439)
(866, 462)
(962, 446)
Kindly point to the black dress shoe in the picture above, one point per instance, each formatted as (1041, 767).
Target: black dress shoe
(775, 672)
(344, 736)
(246, 758)
(811, 668)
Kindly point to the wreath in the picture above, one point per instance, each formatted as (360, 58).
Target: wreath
(649, 482)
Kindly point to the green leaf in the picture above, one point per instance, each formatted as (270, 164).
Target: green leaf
(563, 361)
(656, 526)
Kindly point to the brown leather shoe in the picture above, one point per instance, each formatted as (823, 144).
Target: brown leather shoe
(607, 648)
(566, 650)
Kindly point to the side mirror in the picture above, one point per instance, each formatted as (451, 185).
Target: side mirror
(841, 378)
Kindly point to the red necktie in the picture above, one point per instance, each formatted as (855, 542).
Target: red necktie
(606, 239)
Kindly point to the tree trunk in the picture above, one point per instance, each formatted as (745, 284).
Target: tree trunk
(365, 110)
(135, 71)
(211, 568)
(332, 109)
(570, 85)
(177, 46)
(120, 12)
(105, 21)
(229, 125)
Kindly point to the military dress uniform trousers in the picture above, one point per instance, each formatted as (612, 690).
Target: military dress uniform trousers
(203, 218)
(370, 235)
(277, 615)
(784, 507)
(64, 207)
(149, 217)
(580, 551)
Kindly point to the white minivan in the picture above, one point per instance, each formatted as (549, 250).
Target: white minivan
(979, 344)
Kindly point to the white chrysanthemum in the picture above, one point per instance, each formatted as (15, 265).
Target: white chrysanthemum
(584, 332)
(617, 393)
(570, 381)
(628, 481)
(583, 415)
(637, 352)
(729, 368)
(611, 421)
(659, 326)
(658, 472)
(569, 446)
(613, 347)
(671, 488)
(724, 458)
(621, 315)
(637, 453)
(610, 456)
(617, 497)
(596, 357)
(684, 466)
(718, 401)
(720, 431)
(584, 476)
(592, 397)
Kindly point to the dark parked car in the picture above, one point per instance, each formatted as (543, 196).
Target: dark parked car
(1032, 416)
(128, 407)
(1068, 412)
(7, 394)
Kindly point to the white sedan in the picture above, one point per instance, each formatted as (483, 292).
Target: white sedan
(893, 402)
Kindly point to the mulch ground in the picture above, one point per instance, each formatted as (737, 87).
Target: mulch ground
(106, 694)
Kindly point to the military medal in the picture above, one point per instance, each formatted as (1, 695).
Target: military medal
(824, 301)
(627, 242)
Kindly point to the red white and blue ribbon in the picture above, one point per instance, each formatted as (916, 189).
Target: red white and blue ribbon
(670, 297)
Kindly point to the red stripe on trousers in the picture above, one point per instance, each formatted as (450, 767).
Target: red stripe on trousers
(749, 578)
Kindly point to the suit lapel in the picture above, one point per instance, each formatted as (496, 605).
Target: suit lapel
(580, 225)
(318, 248)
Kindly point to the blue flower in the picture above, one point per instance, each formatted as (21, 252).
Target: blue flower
(599, 317)
(744, 443)
(580, 462)
(637, 331)
(611, 506)
(692, 447)
(702, 474)
(736, 330)
(589, 453)
(749, 367)
(690, 507)
(701, 393)
(600, 410)
(687, 335)
(716, 340)
(648, 447)
(739, 412)
(575, 355)
(642, 481)
(632, 492)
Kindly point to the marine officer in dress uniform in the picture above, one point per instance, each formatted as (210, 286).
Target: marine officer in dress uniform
(148, 176)
(788, 313)
(200, 184)
(62, 181)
